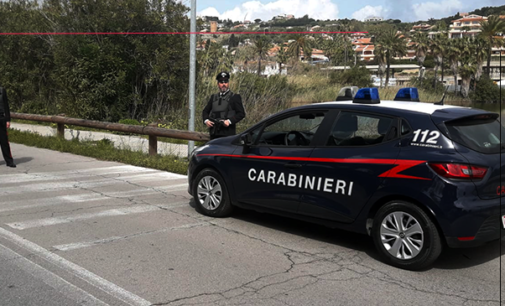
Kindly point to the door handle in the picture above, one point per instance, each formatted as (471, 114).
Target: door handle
(293, 166)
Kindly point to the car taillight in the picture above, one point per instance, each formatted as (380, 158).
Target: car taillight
(459, 171)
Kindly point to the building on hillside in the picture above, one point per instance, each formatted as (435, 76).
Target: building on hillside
(411, 51)
(213, 26)
(466, 26)
(422, 27)
(275, 49)
(363, 48)
(240, 26)
(365, 52)
(373, 19)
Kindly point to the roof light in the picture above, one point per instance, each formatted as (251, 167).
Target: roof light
(367, 96)
(407, 94)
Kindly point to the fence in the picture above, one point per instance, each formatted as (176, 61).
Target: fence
(150, 130)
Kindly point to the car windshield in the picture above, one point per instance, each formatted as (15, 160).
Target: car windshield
(479, 135)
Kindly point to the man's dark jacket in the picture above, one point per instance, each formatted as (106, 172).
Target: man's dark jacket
(5, 113)
(235, 110)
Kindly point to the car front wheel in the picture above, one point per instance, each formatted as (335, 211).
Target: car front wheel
(211, 194)
(405, 236)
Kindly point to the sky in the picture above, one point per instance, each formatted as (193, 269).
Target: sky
(405, 10)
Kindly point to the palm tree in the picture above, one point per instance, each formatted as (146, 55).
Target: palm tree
(480, 56)
(489, 29)
(261, 47)
(394, 45)
(438, 49)
(466, 71)
(468, 68)
(422, 46)
(300, 44)
(380, 54)
(282, 58)
(454, 50)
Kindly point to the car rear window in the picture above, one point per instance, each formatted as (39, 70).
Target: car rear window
(480, 133)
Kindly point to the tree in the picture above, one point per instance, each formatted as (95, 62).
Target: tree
(394, 45)
(380, 55)
(468, 66)
(261, 47)
(438, 49)
(454, 50)
(282, 58)
(490, 28)
(480, 55)
(422, 46)
(300, 44)
(257, 20)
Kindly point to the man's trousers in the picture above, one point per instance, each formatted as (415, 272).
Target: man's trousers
(4, 143)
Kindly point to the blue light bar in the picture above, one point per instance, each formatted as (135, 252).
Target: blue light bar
(407, 94)
(367, 96)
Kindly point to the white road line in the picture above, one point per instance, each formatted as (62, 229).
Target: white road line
(49, 278)
(67, 219)
(106, 213)
(61, 175)
(87, 197)
(76, 270)
(80, 245)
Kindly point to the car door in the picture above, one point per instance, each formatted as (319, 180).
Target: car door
(343, 172)
(268, 175)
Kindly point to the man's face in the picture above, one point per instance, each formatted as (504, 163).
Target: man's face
(223, 85)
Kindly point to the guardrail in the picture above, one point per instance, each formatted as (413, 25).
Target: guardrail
(151, 130)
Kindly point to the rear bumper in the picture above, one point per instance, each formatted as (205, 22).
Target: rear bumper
(491, 229)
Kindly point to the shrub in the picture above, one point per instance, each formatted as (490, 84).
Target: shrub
(356, 76)
(486, 91)
(129, 121)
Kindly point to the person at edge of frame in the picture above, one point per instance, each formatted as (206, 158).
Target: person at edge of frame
(223, 110)
(5, 123)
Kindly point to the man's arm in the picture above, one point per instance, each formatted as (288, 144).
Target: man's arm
(238, 107)
(206, 113)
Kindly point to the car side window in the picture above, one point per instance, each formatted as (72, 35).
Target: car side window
(296, 130)
(405, 128)
(357, 129)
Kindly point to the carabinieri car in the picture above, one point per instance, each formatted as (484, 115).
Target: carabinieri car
(415, 176)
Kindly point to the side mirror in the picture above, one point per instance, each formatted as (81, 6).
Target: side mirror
(246, 141)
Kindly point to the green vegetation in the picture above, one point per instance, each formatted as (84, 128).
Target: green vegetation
(102, 150)
(102, 77)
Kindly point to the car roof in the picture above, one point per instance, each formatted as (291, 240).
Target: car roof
(420, 107)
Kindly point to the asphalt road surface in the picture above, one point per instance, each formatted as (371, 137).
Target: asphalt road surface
(78, 231)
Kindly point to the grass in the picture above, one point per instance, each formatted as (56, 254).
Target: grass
(102, 150)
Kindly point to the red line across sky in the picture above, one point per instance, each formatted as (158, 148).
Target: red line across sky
(171, 33)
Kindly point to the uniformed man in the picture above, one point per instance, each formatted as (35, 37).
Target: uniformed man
(224, 109)
(5, 123)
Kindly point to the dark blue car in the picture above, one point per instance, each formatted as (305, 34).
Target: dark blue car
(415, 176)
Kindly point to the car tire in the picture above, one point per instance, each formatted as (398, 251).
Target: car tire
(211, 194)
(405, 236)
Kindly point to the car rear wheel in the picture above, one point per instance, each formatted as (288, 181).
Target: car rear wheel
(405, 236)
(211, 194)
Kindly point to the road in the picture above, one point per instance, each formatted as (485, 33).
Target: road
(78, 231)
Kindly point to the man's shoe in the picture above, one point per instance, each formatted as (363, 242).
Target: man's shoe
(12, 165)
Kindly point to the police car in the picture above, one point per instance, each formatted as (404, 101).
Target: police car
(414, 176)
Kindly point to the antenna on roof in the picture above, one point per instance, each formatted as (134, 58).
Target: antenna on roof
(443, 97)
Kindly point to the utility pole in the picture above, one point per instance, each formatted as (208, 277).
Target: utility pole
(192, 74)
